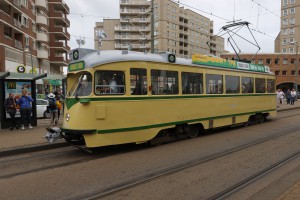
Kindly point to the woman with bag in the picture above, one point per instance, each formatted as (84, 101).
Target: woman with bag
(10, 105)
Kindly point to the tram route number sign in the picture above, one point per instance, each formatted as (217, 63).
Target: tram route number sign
(76, 66)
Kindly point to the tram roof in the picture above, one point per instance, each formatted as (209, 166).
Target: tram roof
(93, 58)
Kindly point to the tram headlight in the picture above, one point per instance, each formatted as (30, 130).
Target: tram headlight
(67, 117)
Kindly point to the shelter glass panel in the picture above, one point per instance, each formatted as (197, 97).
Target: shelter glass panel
(109, 83)
(164, 82)
(260, 85)
(247, 84)
(232, 84)
(138, 81)
(214, 84)
(192, 83)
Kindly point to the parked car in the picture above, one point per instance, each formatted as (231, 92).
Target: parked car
(42, 108)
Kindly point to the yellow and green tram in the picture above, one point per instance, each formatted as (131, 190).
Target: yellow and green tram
(117, 97)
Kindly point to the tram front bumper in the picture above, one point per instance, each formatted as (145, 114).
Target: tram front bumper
(53, 134)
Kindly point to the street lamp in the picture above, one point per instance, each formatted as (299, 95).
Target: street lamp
(296, 68)
(30, 50)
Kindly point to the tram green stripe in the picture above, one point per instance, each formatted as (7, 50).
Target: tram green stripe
(72, 101)
(177, 122)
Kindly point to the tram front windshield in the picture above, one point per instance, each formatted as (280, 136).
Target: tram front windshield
(82, 86)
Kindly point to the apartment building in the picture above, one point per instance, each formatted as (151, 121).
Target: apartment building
(34, 29)
(283, 65)
(286, 41)
(176, 29)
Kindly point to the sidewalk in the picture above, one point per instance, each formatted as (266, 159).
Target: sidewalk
(18, 138)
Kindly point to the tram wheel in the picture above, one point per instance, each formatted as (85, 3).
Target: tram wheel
(262, 118)
(193, 130)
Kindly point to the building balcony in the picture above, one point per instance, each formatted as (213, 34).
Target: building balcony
(59, 60)
(41, 4)
(134, 3)
(42, 54)
(42, 36)
(17, 3)
(17, 23)
(59, 46)
(41, 19)
(135, 20)
(135, 12)
(5, 16)
(58, 15)
(132, 29)
(61, 4)
(60, 31)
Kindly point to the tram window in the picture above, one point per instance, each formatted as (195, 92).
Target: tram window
(271, 86)
(192, 83)
(109, 82)
(138, 81)
(232, 84)
(82, 86)
(164, 82)
(214, 84)
(247, 85)
(260, 85)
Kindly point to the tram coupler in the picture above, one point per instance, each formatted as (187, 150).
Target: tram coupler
(53, 134)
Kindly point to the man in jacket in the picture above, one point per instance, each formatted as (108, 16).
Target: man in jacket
(25, 109)
(10, 105)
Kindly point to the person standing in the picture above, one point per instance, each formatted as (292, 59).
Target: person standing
(53, 110)
(288, 97)
(10, 105)
(293, 98)
(25, 109)
(279, 97)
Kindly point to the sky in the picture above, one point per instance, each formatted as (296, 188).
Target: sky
(264, 16)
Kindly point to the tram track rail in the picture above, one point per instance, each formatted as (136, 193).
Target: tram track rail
(192, 163)
(251, 179)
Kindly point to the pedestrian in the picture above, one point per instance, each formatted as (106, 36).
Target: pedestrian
(58, 105)
(25, 102)
(279, 97)
(293, 94)
(53, 110)
(10, 104)
(288, 97)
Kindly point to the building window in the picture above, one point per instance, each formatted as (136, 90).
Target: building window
(277, 73)
(285, 31)
(27, 40)
(285, 22)
(269, 61)
(292, 11)
(285, 61)
(283, 50)
(292, 31)
(293, 72)
(25, 21)
(292, 1)
(276, 61)
(285, 2)
(24, 3)
(284, 41)
(284, 73)
(285, 12)
(292, 61)
(260, 61)
(292, 40)
(291, 49)
(292, 20)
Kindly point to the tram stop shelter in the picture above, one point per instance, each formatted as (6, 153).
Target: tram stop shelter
(16, 82)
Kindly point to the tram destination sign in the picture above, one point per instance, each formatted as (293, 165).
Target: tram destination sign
(232, 64)
(76, 66)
